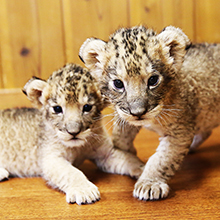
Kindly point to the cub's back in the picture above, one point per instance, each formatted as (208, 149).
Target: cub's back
(201, 72)
(200, 77)
(19, 130)
(202, 58)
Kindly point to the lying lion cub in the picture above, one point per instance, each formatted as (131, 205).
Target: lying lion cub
(66, 130)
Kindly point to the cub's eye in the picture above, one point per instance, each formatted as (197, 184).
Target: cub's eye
(57, 109)
(87, 108)
(118, 84)
(153, 80)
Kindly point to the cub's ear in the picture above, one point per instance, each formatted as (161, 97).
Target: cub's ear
(91, 53)
(175, 43)
(33, 89)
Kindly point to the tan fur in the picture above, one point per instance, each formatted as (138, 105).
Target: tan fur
(162, 83)
(67, 129)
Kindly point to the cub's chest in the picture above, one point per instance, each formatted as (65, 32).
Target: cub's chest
(77, 155)
(155, 127)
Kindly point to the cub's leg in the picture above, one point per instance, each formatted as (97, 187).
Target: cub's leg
(113, 160)
(199, 139)
(123, 136)
(4, 174)
(61, 174)
(162, 165)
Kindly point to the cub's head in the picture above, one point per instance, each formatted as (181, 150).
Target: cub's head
(70, 102)
(136, 68)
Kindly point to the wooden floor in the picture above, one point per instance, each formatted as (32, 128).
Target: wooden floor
(195, 191)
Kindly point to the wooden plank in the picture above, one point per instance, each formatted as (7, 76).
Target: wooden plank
(1, 70)
(52, 55)
(148, 12)
(6, 49)
(180, 14)
(12, 98)
(31, 40)
(158, 14)
(207, 20)
(97, 18)
(19, 42)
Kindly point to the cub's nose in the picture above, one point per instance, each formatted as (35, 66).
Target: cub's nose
(74, 133)
(138, 107)
(74, 129)
(138, 112)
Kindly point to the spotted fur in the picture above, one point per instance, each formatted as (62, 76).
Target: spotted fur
(67, 129)
(162, 82)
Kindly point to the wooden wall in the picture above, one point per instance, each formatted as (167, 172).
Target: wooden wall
(39, 36)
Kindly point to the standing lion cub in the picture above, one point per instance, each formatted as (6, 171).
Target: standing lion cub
(66, 130)
(162, 83)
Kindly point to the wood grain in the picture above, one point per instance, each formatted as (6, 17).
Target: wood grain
(19, 42)
(158, 14)
(207, 20)
(13, 98)
(37, 37)
(97, 18)
(51, 35)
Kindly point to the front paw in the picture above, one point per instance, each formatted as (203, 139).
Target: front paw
(150, 190)
(87, 193)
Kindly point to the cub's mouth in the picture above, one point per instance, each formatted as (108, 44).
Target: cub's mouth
(73, 142)
(140, 118)
(74, 139)
(78, 138)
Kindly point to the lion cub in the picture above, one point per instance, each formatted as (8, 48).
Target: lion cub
(66, 130)
(162, 83)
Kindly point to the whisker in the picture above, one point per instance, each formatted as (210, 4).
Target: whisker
(174, 112)
(167, 117)
(109, 122)
(171, 113)
(158, 120)
(170, 105)
(172, 109)
(166, 114)
(161, 117)
(109, 115)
